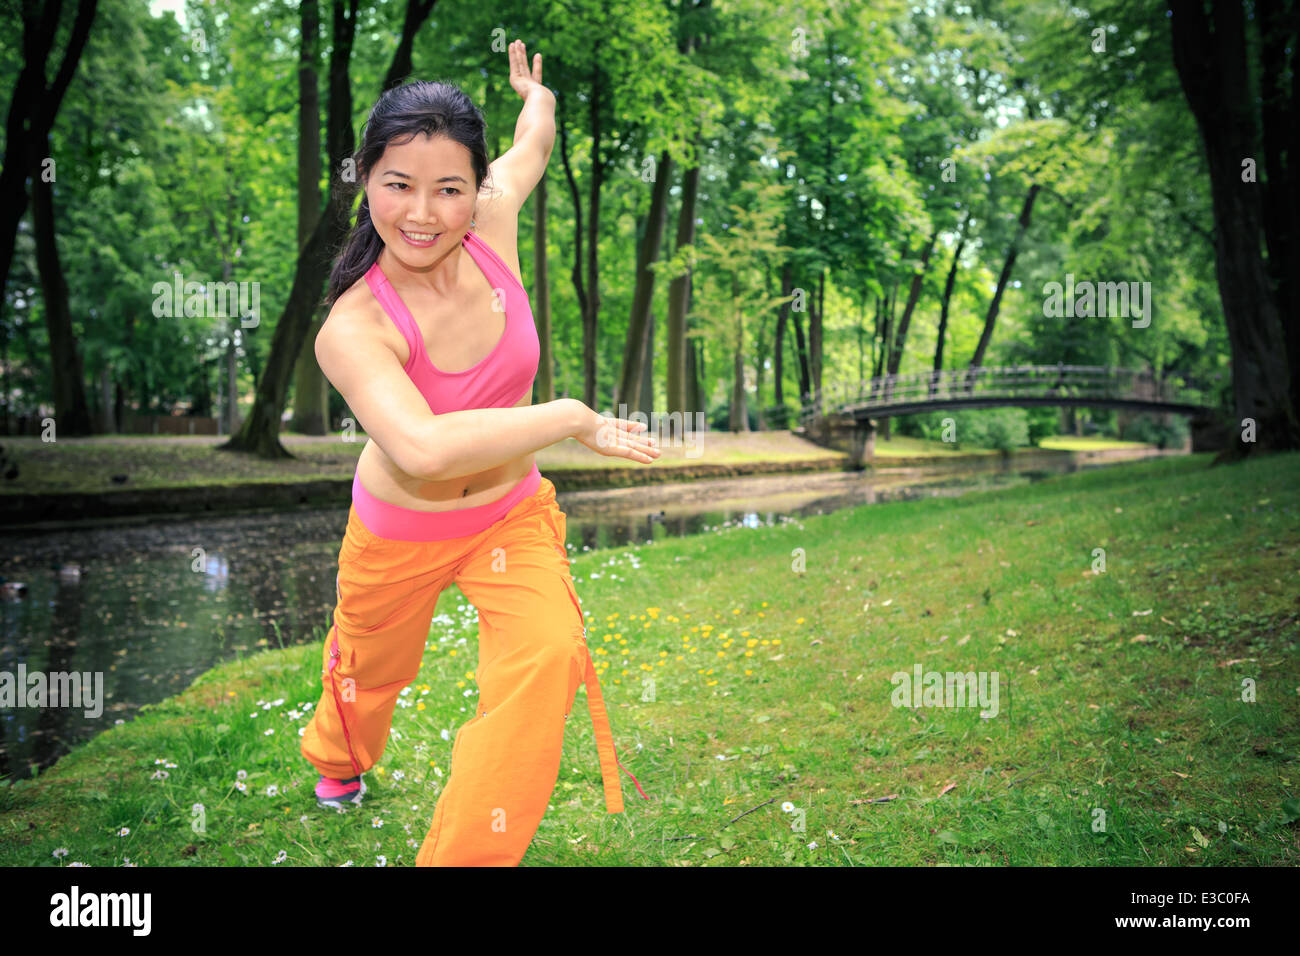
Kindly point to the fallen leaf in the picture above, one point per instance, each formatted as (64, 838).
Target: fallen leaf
(1140, 639)
(1143, 613)
(1177, 774)
(951, 786)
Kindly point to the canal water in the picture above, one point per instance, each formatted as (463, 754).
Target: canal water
(152, 606)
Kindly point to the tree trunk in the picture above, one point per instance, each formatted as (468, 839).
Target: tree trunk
(646, 394)
(33, 107)
(739, 413)
(1212, 69)
(815, 331)
(947, 293)
(72, 415)
(913, 294)
(590, 319)
(544, 386)
(991, 318)
(642, 296)
(778, 345)
(678, 398)
(1279, 31)
(310, 387)
(801, 356)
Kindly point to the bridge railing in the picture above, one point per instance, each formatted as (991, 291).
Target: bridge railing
(1009, 382)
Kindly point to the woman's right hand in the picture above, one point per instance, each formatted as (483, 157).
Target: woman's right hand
(615, 437)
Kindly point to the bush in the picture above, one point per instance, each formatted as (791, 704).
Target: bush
(1002, 428)
(1044, 421)
(1148, 428)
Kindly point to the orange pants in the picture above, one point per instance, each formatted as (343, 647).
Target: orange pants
(532, 655)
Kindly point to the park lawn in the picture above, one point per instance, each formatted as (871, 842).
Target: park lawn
(87, 466)
(157, 461)
(749, 669)
(1087, 443)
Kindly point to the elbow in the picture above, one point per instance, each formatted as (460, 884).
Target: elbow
(426, 465)
(423, 458)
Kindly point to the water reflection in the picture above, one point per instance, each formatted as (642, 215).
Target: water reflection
(156, 605)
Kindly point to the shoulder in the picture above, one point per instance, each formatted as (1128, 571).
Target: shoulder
(357, 312)
(496, 222)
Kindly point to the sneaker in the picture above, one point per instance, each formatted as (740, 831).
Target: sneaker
(339, 794)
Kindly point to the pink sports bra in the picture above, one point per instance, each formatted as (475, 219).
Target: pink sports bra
(501, 379)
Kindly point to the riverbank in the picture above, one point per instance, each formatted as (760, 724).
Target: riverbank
(110, 480)
(1147, 713)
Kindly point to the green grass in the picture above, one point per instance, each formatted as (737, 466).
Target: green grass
(771, 651)
(158, 461)
(1095, 443)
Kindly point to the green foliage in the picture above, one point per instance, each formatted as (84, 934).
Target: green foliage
(1001, 428)
(1149, 428)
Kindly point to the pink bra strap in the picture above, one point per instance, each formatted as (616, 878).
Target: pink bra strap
(394, 308)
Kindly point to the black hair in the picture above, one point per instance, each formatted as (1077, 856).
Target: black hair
(401, 114)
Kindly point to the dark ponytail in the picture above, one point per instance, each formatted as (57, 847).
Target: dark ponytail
(401, 114)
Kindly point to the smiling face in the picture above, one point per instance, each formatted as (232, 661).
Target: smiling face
(421, 188)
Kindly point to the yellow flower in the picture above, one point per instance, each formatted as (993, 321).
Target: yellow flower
(749, 653)
(735, 610)
(764, 604)
(379, 770)
(722, 653)
(419, 705)
(751, 642)
(798, 620)
(747, 673)
(776, 640)
(710, 683)
(663, 653)
(744, 633)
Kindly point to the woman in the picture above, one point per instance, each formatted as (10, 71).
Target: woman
(431, 342)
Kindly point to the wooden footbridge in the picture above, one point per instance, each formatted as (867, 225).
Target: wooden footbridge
(860, 405)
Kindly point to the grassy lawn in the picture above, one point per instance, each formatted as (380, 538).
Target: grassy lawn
(751, 668)
(159, 461)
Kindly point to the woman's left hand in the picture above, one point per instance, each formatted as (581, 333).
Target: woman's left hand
(521, 80)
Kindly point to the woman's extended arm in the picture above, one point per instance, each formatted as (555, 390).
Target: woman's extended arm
(476, 439)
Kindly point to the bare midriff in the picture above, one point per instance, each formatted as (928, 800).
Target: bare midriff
(383, 479)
